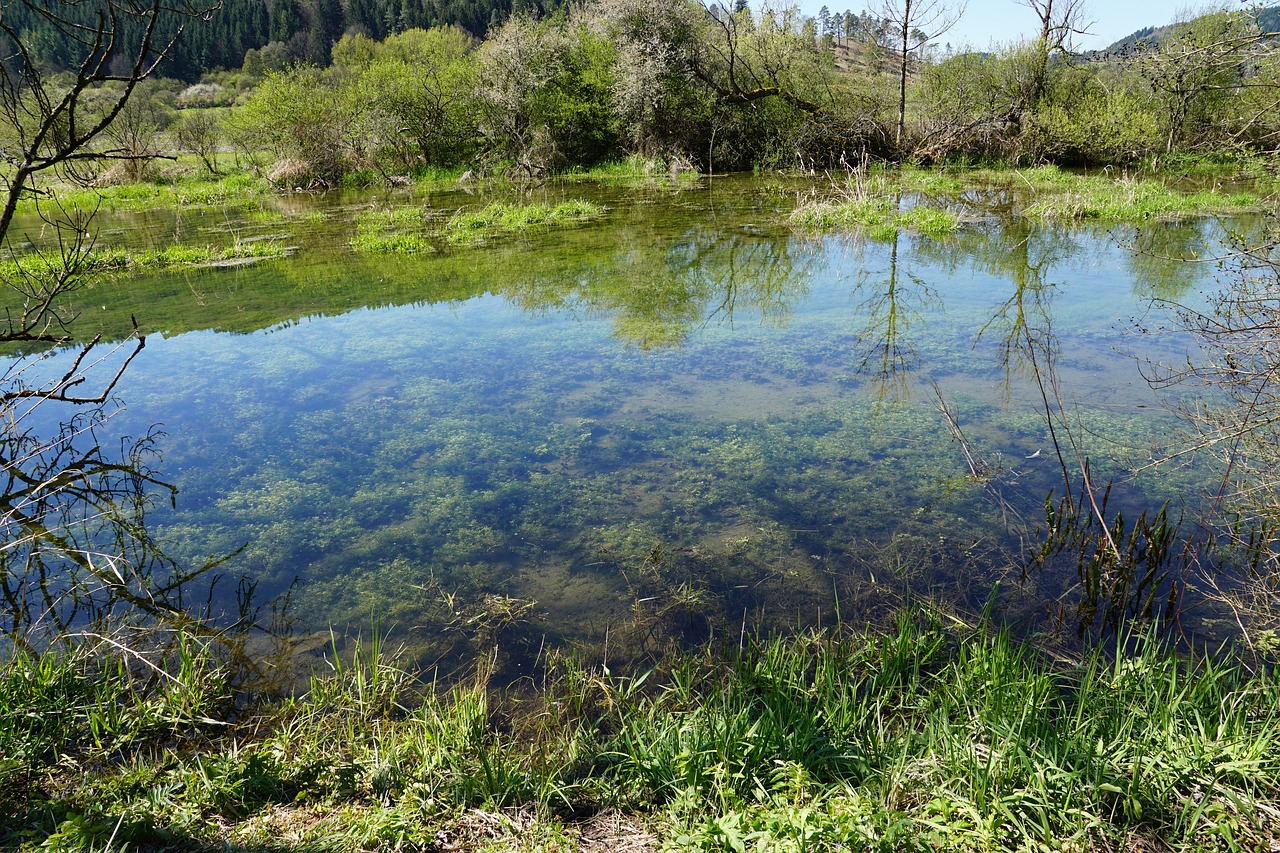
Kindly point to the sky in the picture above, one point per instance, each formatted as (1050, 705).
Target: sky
(988, 22)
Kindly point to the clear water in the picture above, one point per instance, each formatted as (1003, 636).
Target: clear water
(680, 420)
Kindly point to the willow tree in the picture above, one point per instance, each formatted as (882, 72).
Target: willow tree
(684, 66)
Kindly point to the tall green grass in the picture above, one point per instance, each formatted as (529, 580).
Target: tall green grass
(406, 230)
(195, 191)
(500, 218)
(929, 737)
(1128, 199)
(878, 216)
(108, 259)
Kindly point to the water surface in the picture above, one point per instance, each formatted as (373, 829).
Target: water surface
(683, 419)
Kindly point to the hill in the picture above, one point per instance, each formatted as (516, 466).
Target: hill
(1268, 21)
(305, 30)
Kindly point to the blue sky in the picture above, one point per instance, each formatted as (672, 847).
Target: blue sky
(1004, 21)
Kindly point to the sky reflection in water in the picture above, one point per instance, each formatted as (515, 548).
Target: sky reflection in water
(662, 425)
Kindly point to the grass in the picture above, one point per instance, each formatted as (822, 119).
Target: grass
(1044, 193)
(637, 169)
(201, 191)
(407, 230)
(397, 231)
(117, 260)
(927, 737)
(878, 216)
(500, 218)
(1130, 199)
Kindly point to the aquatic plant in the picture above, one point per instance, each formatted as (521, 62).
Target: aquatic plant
(121, 260)
(877, 216)
(498, 218)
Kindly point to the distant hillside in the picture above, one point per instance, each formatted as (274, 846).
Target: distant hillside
(304, 30)
(1268, 20)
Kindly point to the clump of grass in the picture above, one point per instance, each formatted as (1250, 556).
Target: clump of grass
(879, 217)
(393, 231)
(404, 230)
(373, 243)
(501, 218)
(432, 177)
(641, 170)
(118, 260)
(1104, 199)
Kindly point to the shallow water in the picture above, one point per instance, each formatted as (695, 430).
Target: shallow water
(682, 419)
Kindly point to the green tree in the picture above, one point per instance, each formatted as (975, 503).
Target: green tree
(544, 90)
(710, 76)
(1198, 71)
(424, 82)
(311, 124)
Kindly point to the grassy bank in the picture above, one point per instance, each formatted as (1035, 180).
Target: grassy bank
(928, 737)
(184, 191)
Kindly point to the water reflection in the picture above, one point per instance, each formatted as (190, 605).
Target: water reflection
(892, 302)
(657, 295)
(654, 429)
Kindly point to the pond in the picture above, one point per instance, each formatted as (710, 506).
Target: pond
(683, 420)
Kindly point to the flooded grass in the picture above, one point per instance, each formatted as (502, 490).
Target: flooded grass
(120, 260)
(1130, 200)
(879, 218)
(411, 230)
(502, 218)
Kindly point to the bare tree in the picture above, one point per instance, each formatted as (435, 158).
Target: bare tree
(1199, 71)
(1060, 22)
(198, 132)
(76, 554)
(916, 23)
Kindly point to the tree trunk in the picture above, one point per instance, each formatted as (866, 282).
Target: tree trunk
(902, 69)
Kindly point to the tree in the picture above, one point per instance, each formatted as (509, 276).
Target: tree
(76, 552)
(315, 126)
(927, 19)
(137, 128)
(197, 132)
(1199, 70)
(423, 82)
(1060, 22)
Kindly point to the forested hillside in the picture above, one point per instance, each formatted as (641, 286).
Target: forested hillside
(298, 30)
